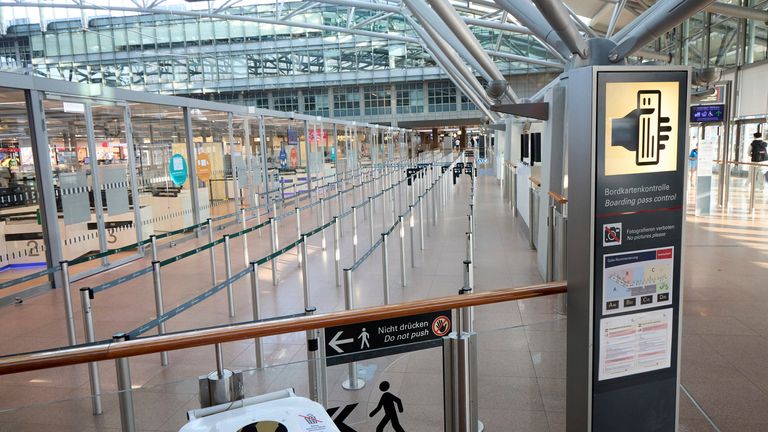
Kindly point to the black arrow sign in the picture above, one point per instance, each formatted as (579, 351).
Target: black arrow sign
(339, 420)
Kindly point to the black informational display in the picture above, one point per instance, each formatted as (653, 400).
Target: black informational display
(638, 221)
(535, 147)
(525, 147)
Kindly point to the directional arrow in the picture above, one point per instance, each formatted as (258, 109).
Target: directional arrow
(335, 342)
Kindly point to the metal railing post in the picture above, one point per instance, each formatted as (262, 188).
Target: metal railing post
(336, 249)
(421, 222)
(403, 269)
(256, 306)
(159, 308)
(153, 241)
(124, 389)
(258, 218)
(531, 243)
(315, 364)
(385, 266)
(274, 242)
(298, 232)
(322, 222)
(353, 382)
(370, 218)
(228, 269)
(413, 237)
(243, 226)
(66, 291)
(550, 274)
(354, 233)
(754, 172)
(212, 252)
(384, 209)
(86, 295)
(304, 270)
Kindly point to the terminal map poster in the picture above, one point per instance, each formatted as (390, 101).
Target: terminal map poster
(639, 196)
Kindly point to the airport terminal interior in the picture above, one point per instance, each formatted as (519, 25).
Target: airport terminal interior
(384, 215)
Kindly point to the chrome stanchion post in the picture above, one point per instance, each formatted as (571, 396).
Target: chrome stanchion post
(304, 269)
(353, 382)
(256, 306)
(470, 252)
(413, 237)
(354, 233)
(258, 219)
(315, 363)
(322, 222)
(243, 226)
(393, 204)
(228, 269)
(421, 223)
(212, 252)
(336, 249)
(86, 295)
(385, 266)
(298, 232)
(159, 308)
(124, 389)
(550, 276)
(65, 289)
(754, 172)
(403, 269)
(384, 209)
(153, 241)
(434, 205)
(370, 218)
(275, 245)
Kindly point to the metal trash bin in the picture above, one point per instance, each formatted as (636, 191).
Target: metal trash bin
(280, 411)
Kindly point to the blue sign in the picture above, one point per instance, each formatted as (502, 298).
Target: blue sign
(707, 113)
(178, 169)
(293, 137)
(333, 153)
(283, 158)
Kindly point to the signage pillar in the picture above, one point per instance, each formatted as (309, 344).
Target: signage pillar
(627, 130)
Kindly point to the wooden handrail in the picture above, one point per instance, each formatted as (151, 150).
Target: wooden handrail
(535, 181)
(558, 198)
(196, 338)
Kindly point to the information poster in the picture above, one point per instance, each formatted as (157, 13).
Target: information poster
(636, 343)
(637, 280)
(641, 149)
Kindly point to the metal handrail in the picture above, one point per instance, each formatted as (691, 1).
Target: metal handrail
(196, 338)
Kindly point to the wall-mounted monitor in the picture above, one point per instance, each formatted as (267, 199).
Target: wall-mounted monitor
(535, 147)
(525, 147)
(707, 113)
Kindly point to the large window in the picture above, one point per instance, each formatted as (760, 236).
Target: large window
(442, 96)
(317, 102)
(286, 101)
(378, 100)
(410, 98)
(346, 101)
(466, 103)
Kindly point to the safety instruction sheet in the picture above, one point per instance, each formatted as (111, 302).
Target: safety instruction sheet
(636, 343)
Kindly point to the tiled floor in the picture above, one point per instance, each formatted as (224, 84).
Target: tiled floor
(522, 345)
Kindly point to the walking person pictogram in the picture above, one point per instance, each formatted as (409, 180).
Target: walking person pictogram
(364, 339)
(392, 405)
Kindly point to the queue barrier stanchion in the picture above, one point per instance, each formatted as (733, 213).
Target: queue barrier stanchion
(298, 233)
(228, 269)
(274, 242)
(86, 295)
(354, 233)
(66, 291)
(159, 305)
(370, 218)
(353, 381)
(212, 252)
(243, 226)
(124, 389)
(413, 237)
(403, 269)
(304, 270)
(153, 241)
(421, 222)
(385, 266)
(322, 222)
(256, 306)
(336, 249)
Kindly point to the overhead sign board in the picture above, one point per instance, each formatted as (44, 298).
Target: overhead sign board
(707, 114)
(373, 339)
